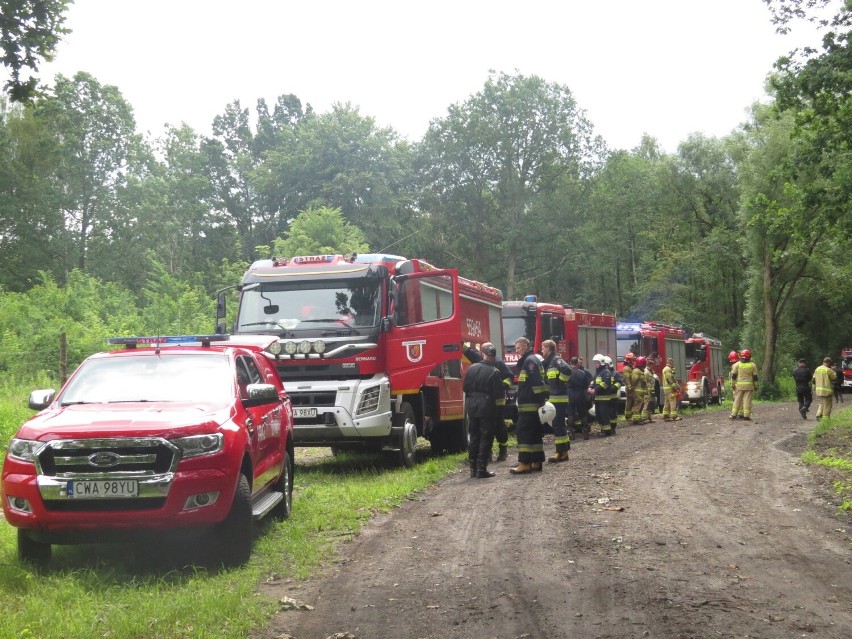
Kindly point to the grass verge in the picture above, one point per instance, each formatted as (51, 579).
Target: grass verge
(830, 455)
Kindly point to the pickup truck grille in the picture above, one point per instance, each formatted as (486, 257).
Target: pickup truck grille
(324, 398)
(105, 457)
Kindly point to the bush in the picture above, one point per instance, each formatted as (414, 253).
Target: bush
(769, 391)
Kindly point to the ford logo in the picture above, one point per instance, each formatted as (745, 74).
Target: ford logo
(104, 459)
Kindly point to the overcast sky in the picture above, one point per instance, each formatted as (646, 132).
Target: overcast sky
(663, 67)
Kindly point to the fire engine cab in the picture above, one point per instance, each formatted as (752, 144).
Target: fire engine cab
(577, 332)
(656, 342)
(846, 366)
(705, 359)
(369, 347)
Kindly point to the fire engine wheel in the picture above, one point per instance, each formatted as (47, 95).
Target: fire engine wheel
(406, 439)
(285, 485)
(32, 551)
(234, 536)
(720, 393)
(704, 400)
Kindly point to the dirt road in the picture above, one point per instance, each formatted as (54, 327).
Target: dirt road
(706, 528)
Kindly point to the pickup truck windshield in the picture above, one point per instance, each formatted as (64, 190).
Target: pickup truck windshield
(185, 377)
(314, 304)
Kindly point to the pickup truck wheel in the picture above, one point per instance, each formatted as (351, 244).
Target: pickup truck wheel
(235, 534)
(285, 485)
(29, 550)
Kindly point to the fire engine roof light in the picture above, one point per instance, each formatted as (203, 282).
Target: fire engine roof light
(531, 298)
(305, 347)
(274, 348)
(290, 348)
(157, 340)
(319, 346)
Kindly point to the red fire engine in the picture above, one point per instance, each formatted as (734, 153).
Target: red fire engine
(577, 332)
(846, 365)
(705, 358)
(369, 346)
(656, 342)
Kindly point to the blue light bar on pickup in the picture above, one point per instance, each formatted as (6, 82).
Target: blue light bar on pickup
(132, 342)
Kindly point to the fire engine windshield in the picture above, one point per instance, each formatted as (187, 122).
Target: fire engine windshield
(193, 377)
(626, 342)
(517, 326)
(333, 305)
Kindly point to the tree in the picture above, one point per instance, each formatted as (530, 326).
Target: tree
(29, 33)
(487, 163)
(320, 231)
(95, 130)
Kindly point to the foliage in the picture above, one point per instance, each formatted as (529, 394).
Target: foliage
(830, 448)
(320, 231)
(29, 33)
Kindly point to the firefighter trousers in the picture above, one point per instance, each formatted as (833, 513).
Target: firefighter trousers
(530, 438)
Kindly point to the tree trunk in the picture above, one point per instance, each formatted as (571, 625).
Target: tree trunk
(511, 263)
(767, 371)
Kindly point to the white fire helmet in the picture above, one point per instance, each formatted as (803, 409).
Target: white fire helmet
(547, 413)
(607, 360)
(598, 358)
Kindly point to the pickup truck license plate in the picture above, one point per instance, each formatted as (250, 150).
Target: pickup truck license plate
(102, 489)
(304, 412)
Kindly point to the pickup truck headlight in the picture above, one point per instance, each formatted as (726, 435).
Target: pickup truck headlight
(24, 449)
(198, 445)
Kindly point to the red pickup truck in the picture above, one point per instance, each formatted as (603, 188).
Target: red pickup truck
(190, 435)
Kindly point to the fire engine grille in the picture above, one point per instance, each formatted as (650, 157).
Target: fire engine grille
(325, 398)
(104, 457)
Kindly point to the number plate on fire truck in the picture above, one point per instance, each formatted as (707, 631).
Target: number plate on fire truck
(102, 489)
(304, 412)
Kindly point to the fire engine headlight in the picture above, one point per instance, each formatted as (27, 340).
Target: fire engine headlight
(290, 348)
(198, 445)
(319, 346)
(304, 347)
(274, 348)
(24, 449)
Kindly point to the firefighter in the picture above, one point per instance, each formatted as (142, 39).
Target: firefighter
(578, 414)
(670, 388)
(602, 390)
(482, 388)
(733, 359)
(744, 378)
(651, 405)
(558, 373)
(531, 394)
(803, 378)
(501, 433)
(617, 383)
(640, 390)
(630, 395)
(824, 378)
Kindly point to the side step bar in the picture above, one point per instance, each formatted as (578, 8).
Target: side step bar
(266, 502)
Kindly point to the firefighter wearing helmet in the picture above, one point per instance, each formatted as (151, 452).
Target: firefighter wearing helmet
(744, 379)
(558, 373)
(603, 391)
(640, 390)
(630, 395)
(670, 387)
(531, 395)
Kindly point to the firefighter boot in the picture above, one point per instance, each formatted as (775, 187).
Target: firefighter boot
(472, 468)
(558, 456)
(482, 472)
(676, 418)
(521, 469)
(536, 466)
(502, 452)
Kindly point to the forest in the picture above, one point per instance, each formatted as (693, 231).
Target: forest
(107, 232)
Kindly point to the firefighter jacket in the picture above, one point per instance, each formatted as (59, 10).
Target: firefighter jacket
(506, 377)
(558, 373)
(626, 374)
(670, 384)
(617, 379)
(482, 388)
(602, 385)
(650, 384)
(744, 375)
(638, 382)
(733, 376)
(532, 391)
(824, 381)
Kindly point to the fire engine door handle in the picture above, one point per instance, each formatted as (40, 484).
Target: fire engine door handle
(449, 348)
(250, 425)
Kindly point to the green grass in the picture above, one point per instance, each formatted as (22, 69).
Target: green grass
(830, 446)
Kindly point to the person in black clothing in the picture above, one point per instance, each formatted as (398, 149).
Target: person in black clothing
(838, 382)
(532, 394)
(482, 387)
(578, 408)
(501, 432)
(802, 374)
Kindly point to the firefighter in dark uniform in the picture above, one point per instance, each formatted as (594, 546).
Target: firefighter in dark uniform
(603, 392)
(578, 410)
(532, 393)
(501, 433)
(482, 388)
(558, 373)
